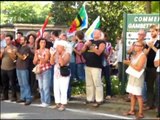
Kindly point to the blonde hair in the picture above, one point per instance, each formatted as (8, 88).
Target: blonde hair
(155, 27)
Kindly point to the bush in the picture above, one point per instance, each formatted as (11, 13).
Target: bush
(79, 87)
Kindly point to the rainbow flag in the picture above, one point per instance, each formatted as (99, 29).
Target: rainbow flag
(80, 22)
(89, 32)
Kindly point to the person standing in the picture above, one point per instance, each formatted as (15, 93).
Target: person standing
(157, 64)
(73, 67)
(93, 69)
(80, 61)
(106, 70)
(8, 69)
(118, 48)
(22, 65)
(150, 76)
(17, 41)
(135, 84)
(3, 45)
(141, 37)
(32, 78)
(41, 58)
(60, 57)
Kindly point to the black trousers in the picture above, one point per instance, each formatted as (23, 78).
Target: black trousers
(32, 80)
(158, 92)
(8, 78)
(150, 78)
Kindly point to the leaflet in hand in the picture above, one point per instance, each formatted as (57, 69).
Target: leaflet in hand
(134, 72)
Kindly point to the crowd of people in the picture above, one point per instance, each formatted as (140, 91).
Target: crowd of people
(37, 63)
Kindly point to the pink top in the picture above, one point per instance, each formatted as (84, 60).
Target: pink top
(79, 58)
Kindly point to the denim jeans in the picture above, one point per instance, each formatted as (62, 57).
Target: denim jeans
(80, 71)
(44, 86)
(52, 81)
(23, 80)
(106, 73)
(73, 67)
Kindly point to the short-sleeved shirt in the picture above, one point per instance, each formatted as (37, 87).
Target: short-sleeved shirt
(7, 62)
(157, 58)
(151, 55)
(79, 58)
(23, 64)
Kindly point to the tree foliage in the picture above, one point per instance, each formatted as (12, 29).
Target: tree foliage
(23, 12)
(111, 13)
(64, 12)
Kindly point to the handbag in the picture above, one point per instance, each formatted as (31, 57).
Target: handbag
(37, 69)
(65, 70)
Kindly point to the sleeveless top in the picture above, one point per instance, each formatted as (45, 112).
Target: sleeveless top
(57, 66)
(44, 66)
(135, 60)
(92, 59)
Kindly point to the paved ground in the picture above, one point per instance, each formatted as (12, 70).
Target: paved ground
(111, 109)
(10, 110)
(116, 105)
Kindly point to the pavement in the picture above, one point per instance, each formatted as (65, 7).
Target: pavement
(116, 106)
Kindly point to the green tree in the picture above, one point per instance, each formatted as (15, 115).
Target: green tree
(155, 6)
(64, 12)
(23, 12)
(111, 13)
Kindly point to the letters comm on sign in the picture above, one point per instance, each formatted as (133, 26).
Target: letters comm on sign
(147, 19)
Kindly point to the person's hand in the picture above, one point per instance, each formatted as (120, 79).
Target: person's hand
(88, 43)
(52, 50)
(9, 50)
(25, 56)
(126, 62)
(2, 50)
(150, 44)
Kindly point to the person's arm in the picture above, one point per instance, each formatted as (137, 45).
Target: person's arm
(22, 56)
(35, 59)
(77, 51)
(99, 50)
(152, 46)
(65, 60)
(127, 62)
(130, 50)
(140, 64)
(1, 53)
(86, 45)
(157, 63)
(46, 59)
(157, 59)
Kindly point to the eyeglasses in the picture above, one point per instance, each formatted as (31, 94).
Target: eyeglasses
(137, 45)
(140, 34)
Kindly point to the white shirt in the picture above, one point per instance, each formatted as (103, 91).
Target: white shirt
(119, 51)
(3, 43)
(157, 57)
